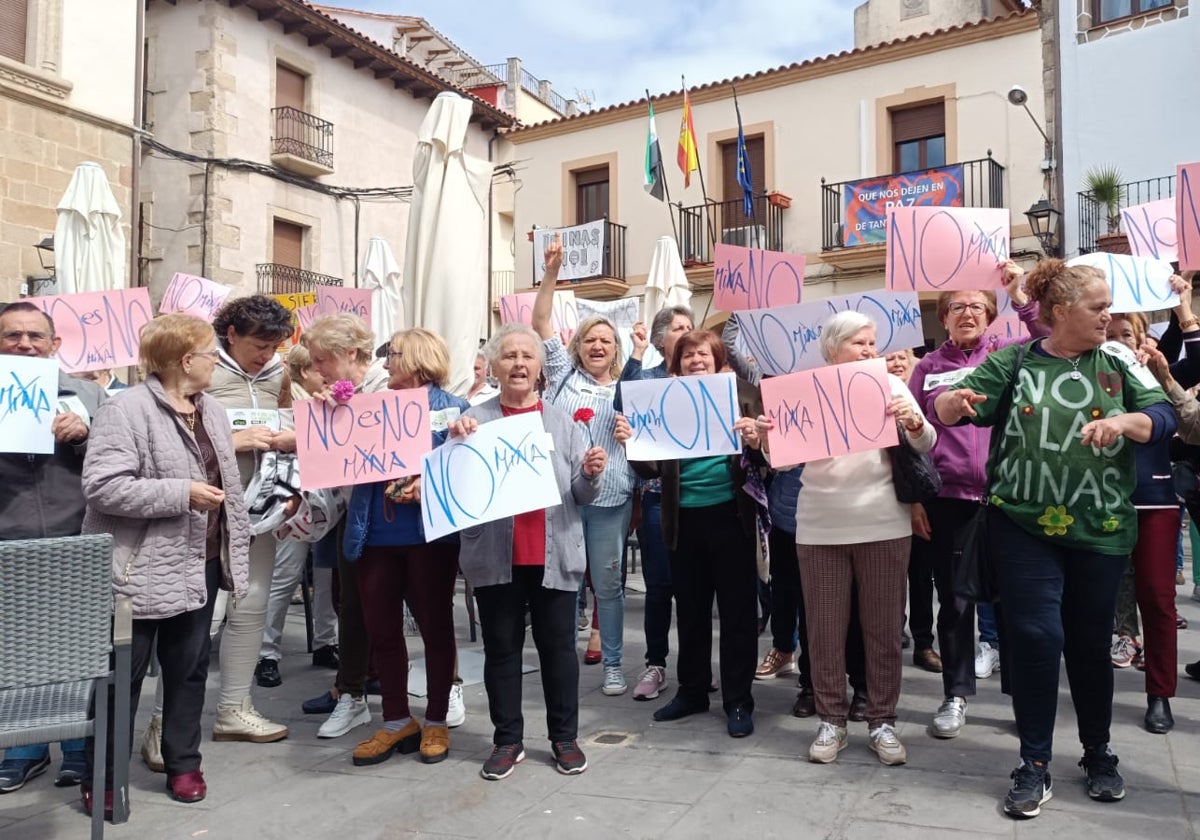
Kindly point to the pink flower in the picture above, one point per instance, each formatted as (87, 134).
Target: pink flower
(343, 390)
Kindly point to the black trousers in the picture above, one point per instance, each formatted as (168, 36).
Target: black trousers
(552, 620)
(183, 649)
(956, 617)
(715, 556)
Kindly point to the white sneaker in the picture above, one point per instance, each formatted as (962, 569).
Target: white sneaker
(987, 661)
(349, 712)
(831, 740)
(614, 681)
(887, 746)
(152, 746)
(950, 717)
(244, 723)
(456, 714)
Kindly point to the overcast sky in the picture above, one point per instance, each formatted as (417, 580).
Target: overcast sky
(614, 49)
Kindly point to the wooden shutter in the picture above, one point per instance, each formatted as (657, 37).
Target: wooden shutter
(591, 194)
(289, 88)
(755, 150)
(919, 122)
(288, 244)
(14, 21)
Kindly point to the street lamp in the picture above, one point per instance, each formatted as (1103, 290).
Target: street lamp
(1043, 221)
(1019, 98)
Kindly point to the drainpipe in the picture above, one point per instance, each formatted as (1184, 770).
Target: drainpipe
(354, 268)
(135, 178)
(490, 225)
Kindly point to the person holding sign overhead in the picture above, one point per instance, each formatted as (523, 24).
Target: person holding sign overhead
(709, 527)
(396, 565)
(852, 532)
(1061, 517)
(162, 478)
(583, 376)
(531, 562)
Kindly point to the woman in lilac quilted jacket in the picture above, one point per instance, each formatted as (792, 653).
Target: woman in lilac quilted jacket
(161, 477)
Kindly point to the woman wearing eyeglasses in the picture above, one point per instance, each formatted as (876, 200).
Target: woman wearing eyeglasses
(960, 456)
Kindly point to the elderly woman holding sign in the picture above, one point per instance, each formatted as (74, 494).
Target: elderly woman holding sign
(1061, 519)
(853, 532)
(533, 562)
(708, 525)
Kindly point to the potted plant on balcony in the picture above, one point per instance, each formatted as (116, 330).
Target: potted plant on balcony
(779, 200)
(1106, 187)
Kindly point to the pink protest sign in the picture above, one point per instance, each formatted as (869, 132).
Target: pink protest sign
(1150, 228)
(374, 437)
(938, 249)
(192, 295)
(98, 329)
(1187, 214)
(751, 278)
(334, 299)
(829, 411)
(518, 309)
(1007, 328)
(305, 315)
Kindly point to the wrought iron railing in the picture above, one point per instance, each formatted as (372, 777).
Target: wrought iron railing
(482, 76)
(303, 135)
(276, 279)
(1093, 215)
(703, 225)
(983, 186)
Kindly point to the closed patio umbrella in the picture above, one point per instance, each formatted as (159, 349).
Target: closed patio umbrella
(667, 283)
(381, 273)
(89, 245)
(445, 257)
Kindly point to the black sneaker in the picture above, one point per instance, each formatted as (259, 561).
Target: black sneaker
(504, 759)
(326, 656)
(267, 673)
(1031, 788)
(568, 758)
(1104, 783)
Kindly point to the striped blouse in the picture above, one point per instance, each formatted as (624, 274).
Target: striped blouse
(570, 388)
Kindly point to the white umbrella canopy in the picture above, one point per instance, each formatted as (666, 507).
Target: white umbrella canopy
(445, 257)
(89, 245)
(381, 273)
(667, 283)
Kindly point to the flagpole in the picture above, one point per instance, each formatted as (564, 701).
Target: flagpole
(712, 237)
(662, 171)
(753, 214)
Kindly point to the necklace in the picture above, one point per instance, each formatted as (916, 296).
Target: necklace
(1074, 362)
(190, 419)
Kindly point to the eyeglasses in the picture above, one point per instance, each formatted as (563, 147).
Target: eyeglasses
(394, 354)
(15, 336)
(212, 354)
(974, 308)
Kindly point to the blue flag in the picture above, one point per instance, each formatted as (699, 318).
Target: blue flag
(744, 178)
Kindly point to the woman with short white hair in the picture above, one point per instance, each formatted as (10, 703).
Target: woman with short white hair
(852, 532)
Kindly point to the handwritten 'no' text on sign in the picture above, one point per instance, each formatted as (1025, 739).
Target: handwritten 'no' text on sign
(681, 417)
(786, 340)
(28, 404)
(751, 278)
(332, 300)
(374, 437)
(98, 329)
(1187, 214)
(1137, 284)
(829, 411)
(503, 469)
(938, 249)
(518, 309)
(192, 295)
(1150, 228)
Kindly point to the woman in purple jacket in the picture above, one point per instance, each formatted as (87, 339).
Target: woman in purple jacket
(960, 456)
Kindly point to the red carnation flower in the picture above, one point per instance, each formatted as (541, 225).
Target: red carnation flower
(584, 415)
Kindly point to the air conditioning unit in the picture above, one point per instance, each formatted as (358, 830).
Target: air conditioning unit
(749, 236)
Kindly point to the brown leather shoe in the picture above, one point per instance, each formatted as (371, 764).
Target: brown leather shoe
(805, 705)
(858, 708)
(187, 787)
(380, 746)
(928, 659)
(435, 743)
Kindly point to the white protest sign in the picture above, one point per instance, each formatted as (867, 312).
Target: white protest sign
(28, 404)
(681, 417)
(624, 313)
(1137, 284)
(193, 295)
(583, 250)
(785, 339)
(503, 469)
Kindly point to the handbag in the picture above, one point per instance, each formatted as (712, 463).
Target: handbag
(915, 477)
(975, 561)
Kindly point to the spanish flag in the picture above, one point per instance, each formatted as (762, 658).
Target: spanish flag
(689, 160)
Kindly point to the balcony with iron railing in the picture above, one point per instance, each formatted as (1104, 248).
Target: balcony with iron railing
(1093, 215)
(276, 279)
(301, 142)
(490, 75)
(982, 185)
(703, 226)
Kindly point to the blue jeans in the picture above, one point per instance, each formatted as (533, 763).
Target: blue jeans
(1058, 603)
(988, 632)
(40, 751)
(656, 572)
(604, 530)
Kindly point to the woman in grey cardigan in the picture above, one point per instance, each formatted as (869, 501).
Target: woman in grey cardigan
(531, 561)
